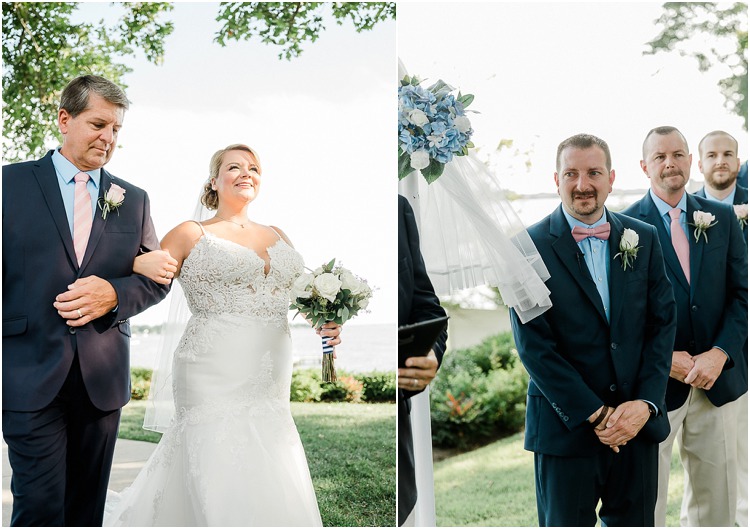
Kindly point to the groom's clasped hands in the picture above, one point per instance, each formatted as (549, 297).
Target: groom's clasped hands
(621, 424)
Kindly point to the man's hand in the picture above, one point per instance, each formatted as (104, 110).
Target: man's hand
(418, 373)
(626, 421)
(85, 300)
(708, 366)
(682, 364)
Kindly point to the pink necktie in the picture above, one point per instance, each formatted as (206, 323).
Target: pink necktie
(600, 232)
(82, 218)
(680, 242)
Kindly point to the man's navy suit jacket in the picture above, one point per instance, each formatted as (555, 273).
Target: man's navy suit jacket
(712, 308)
(576, 360)
(39, 263)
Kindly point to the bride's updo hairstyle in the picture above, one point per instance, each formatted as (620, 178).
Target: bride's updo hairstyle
(210, 198)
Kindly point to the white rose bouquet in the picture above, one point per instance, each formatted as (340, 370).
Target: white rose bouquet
(329, 293)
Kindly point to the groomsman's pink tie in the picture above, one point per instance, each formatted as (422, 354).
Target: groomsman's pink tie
(680, 242)
(82, 216)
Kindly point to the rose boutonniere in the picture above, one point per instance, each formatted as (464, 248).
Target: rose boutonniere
(702, 221)
(112, 200)
(628, 248)
(741, 211)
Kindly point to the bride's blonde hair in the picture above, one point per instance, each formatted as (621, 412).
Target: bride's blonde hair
(210, 198)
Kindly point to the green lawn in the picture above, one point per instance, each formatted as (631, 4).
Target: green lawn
(494, 486)
(351, 450)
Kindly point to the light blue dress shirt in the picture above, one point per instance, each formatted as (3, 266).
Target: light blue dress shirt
(596, 254)
(729, 199)
(66, 173)
(663, 209)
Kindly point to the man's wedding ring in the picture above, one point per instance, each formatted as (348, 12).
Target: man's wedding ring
(414, 382)
(80, 314)
(166, 275)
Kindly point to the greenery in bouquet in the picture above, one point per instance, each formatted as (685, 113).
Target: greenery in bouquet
(432, 127)
(329, 293)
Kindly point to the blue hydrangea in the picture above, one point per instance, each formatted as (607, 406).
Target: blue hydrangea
(426, 122)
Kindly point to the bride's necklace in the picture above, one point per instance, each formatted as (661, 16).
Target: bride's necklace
(230, 220)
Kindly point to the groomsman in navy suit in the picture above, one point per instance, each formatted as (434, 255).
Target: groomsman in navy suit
(599, 358)
(416, 302)
(720, 166)
(707, 267)
(68, 293)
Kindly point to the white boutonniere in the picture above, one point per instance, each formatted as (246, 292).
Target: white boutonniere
(701, 222)
(741, 211)
(112, 200)
(628, 248)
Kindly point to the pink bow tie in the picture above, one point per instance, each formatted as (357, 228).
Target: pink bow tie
(600, 232)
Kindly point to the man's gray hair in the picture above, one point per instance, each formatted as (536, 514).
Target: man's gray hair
(75, 96)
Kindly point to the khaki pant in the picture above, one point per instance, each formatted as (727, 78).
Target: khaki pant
(707, 437)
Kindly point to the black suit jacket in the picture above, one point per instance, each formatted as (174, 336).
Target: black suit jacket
(576, 360)
(712, 309)
(39, 263)
(416, 302)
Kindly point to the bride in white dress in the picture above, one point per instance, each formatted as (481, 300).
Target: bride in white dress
(231, 455)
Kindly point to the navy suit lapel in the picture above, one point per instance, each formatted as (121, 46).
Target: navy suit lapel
(46, 177)
(650, 215)
(570, 255)
(97, 226)
(696, 248)
(616, 273)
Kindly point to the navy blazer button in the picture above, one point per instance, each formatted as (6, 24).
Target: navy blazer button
(613, 346)
(613, 388)
(72, 330)
(694, 308)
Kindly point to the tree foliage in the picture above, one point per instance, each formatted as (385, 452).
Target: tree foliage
(43, 49)
(291, 24)
(715, 34)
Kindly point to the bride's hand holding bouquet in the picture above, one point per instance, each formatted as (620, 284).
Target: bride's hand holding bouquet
(329, 294)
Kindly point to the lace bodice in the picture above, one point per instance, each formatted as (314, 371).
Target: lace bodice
(220, 276)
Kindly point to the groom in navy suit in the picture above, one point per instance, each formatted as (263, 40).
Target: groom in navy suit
(707, 268)
(599, 358)
(67, 297)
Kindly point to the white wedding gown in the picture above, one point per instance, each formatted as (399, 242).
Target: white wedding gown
(232, 455)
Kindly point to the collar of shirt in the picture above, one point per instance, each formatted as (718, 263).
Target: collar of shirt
(573, 222)
(664, 208)
(729, 199)
(66, 171)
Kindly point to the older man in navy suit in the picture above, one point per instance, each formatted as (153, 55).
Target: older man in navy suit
(599, 359)
(706, 262)
(720, 165)
(68, 291)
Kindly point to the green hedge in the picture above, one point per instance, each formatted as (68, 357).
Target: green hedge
(376, 386)
(479, 394)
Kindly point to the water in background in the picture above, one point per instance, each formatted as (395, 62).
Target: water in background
(364, 348)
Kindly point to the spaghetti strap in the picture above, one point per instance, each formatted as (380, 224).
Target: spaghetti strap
(276, 232)
(200, 226)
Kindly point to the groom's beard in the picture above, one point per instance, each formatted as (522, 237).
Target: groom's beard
(587, 208)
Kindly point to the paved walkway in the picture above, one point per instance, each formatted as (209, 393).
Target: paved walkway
(130, 456)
